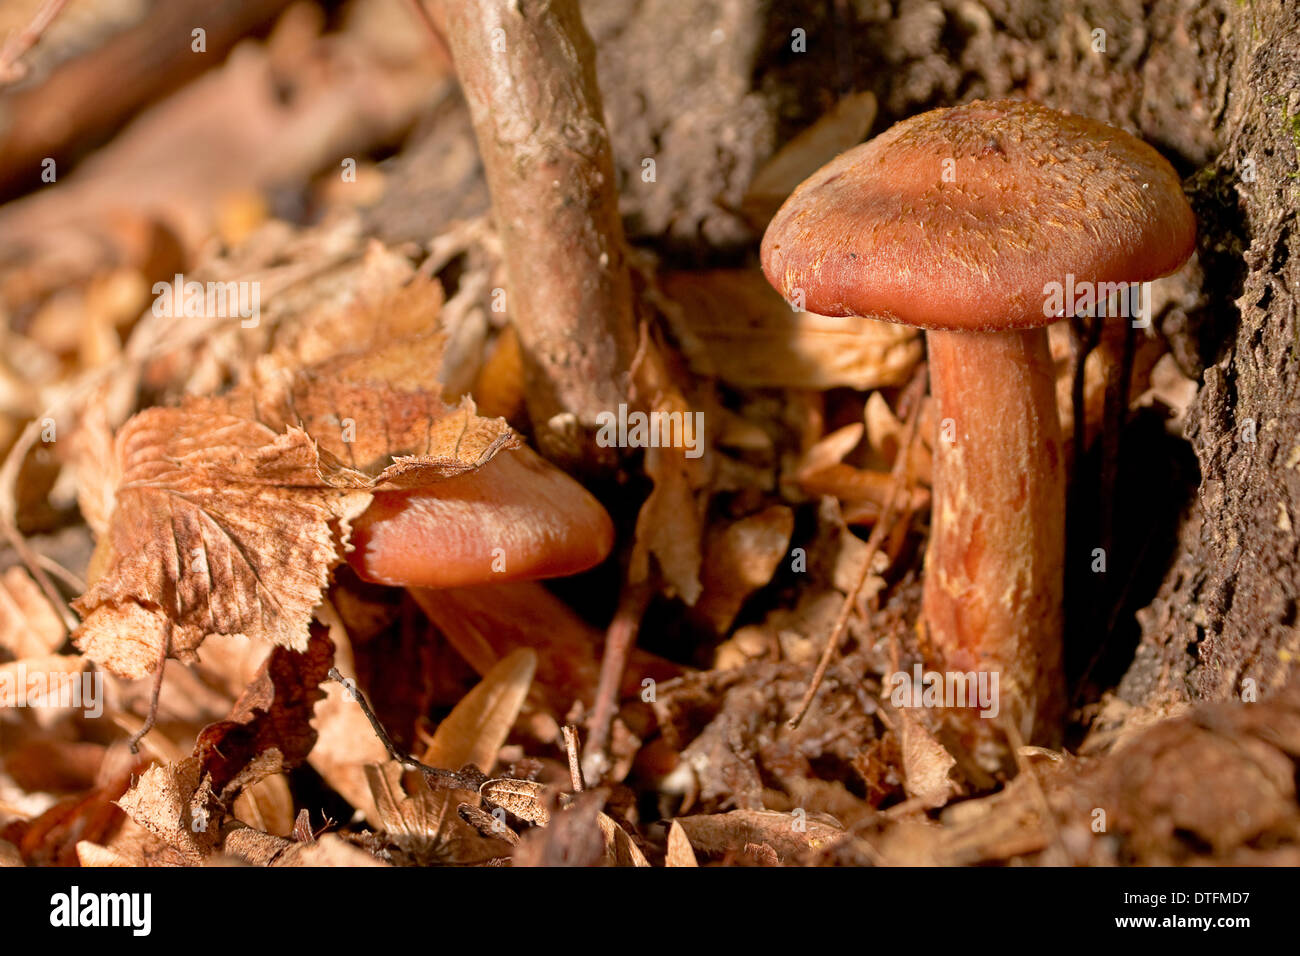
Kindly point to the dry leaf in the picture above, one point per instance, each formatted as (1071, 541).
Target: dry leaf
(925, 762)
(619, 848)
(739, 559)
(680, 852)
(791, 835)
(269, 728)
(486, 623)
(473, 733)
(221, 527)
(734, 325)
(231, 512)
(29, 626)
(526, 799)
(163, 802)
(845, 125)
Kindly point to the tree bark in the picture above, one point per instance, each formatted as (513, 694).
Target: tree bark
(1224, 624)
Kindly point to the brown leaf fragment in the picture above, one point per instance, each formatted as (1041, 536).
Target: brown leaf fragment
(163, 803)
(254, 846)
(734, 325)
(925, 762)
(573, 838)
(680, 851)
(487, 824)
(620, 850)
(264, 849)
(739, 559)
(221, 527)
(458, 442)
(330, 850)
(29, 626)
(424, 822)
(526, 799)
(792, 836)
(843, 126)
(272, 717)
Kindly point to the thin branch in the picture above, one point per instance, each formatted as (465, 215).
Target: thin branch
(620, 639)
(571, 748)
(154, 696)
(527, 70)
(434, 776)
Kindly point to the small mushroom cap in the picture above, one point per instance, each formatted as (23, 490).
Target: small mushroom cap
(959, 219)
(516, 518)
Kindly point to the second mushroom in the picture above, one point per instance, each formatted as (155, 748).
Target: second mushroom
(960, 221)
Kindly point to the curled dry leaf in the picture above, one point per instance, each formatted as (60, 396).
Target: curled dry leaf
(269, 728)
(680, 852)
(925, 762)
(268, 731)
(739, 559)
(843, 126)
(526, 799)
(619, 848)
(793, 836)
(221, 527)
(46, 681)
(231, 512)
(164, 802)
(670, 524)
(265, 849)
(29, 627)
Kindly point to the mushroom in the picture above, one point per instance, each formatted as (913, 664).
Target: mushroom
(961, 221)
(517, 518)
(471, 549)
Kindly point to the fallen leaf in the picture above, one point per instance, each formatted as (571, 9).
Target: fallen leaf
(221, 527)
(272, 717)
(792, 836)
(739, 559)
(163, 802)
(925, 762)
(29, 626)
(845, 125)
(424, 822)
(735, 326)
(680, 852)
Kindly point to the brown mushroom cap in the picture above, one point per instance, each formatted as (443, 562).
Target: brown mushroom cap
(1034, 195)
(543, 522)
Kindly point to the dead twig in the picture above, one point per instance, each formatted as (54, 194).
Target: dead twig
(620, 639)
(468, 778)
(528, 73)
(571, 748)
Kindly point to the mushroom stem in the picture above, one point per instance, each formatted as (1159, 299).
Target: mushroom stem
(994, 569)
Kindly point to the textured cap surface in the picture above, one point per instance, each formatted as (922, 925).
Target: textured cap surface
(959, 218)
